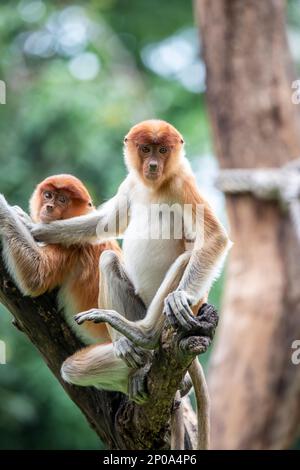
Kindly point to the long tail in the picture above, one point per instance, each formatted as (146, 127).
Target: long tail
(177, 425)
(203, 404)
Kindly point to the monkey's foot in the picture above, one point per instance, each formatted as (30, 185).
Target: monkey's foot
(180, 315)
(132, 330)
(93, 315)
(137, 385)
(133, 356)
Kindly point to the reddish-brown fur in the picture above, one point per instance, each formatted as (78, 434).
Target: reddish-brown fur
(76, 268)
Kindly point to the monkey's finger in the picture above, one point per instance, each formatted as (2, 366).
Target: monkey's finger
(20, 211)
(25, 218)
(125, 355)
(138, 395)
(175, 302)
(133, 392)
(143, 355)
(3, 202)
(90, 315)
(132, 355)
(133, 359)
(185, 311)
(170, 316)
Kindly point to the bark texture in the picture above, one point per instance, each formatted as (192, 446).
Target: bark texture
(119, 423)
(254, 387)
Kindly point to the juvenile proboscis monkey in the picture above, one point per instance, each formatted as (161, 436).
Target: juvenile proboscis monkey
(74, 269)
(172, 274)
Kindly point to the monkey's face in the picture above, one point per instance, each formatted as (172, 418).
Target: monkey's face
(59, 197)
(153, 149)
(153, 158)
(58, 204)
(53, 205)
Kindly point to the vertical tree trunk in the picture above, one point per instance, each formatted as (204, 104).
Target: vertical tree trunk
(254, 386)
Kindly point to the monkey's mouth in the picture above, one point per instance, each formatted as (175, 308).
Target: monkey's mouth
(152, 176)
(46, 218)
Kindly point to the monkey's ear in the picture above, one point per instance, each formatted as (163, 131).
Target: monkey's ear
(181, 141)
(125, 140)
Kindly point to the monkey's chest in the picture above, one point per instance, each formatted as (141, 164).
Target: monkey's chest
(147, 262)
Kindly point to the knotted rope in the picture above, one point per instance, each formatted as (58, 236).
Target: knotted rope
(279, 184)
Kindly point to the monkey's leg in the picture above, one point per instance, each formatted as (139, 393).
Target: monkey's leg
(97, 366)
(117, 292)
(107, 366)
(146, 332)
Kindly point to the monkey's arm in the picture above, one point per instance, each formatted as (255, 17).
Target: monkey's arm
(34, 269)
(109, 221)
(207, 257)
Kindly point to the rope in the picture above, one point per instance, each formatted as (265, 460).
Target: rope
(279, 184)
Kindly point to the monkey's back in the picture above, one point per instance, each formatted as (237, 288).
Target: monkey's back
(80, 290)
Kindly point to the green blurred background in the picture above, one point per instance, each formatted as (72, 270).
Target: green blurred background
(78, 75)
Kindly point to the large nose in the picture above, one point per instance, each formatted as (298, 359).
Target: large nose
(153, 166)
(49, 208)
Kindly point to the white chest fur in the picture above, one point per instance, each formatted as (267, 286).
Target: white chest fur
(151, 243)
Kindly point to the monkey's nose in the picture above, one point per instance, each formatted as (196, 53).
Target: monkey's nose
(153, 166)
(49, 208)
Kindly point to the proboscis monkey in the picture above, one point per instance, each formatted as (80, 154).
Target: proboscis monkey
(74, 269)
(170, 275)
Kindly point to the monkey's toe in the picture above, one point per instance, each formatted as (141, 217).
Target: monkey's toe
(133, 356)
(179, 312)
(91, 315)
(137, 386)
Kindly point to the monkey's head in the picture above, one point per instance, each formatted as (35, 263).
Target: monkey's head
(154, 149)
(59, 197)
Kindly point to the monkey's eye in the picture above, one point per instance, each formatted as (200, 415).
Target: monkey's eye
(62, 199)
(47, 195)
(145, 148)
(163, 150)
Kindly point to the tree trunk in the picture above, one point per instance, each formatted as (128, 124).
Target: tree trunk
(255, 388)
(120, 423)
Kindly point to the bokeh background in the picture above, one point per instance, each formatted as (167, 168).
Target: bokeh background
(78, 76)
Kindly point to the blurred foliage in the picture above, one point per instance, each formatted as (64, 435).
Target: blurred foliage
(78, 76)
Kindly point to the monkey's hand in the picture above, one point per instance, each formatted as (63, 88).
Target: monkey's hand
(23, 216)
(6, 216)
(180, 315)
(44, 232)
(178, 311)
(133, 356)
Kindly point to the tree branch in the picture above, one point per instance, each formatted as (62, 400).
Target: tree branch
(119, 423)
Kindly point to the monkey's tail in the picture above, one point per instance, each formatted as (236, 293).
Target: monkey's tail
(203, 404)
(177, 425)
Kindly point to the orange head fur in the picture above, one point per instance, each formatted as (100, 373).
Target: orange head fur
(153, 149)
(59, 197)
